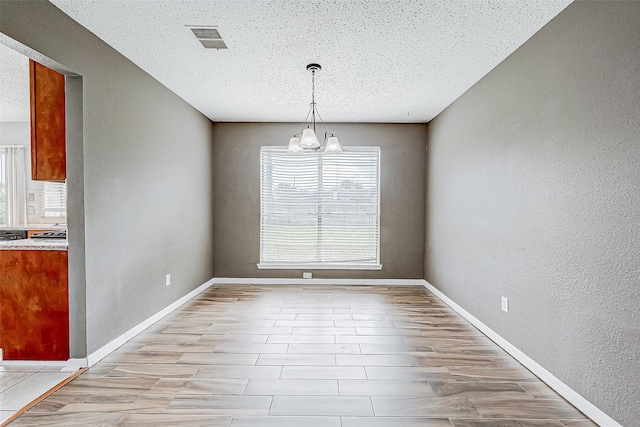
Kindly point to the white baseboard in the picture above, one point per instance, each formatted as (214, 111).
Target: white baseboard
(586, 407)
(108, 348)
(301, 281)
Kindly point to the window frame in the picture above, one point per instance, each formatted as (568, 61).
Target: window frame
(377, 265)
(54, 212)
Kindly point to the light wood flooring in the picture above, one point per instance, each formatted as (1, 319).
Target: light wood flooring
(306, 356)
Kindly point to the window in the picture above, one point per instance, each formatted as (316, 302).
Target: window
(3, 187)
(13, 201)
(55, 199)
(320, 211)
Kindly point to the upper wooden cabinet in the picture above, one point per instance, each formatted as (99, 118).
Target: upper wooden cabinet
(48, 135)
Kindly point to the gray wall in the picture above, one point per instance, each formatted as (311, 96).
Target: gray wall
(534, 194)
(236, 215)
(147, 177)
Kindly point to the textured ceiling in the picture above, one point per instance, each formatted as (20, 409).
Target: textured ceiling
(382, 61)
(14, 86)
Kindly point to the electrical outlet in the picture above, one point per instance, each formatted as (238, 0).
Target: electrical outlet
(505, 304)
(307, 275)
(167, 280)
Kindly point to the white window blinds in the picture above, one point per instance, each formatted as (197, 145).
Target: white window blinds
(55, 199)
(320, 211)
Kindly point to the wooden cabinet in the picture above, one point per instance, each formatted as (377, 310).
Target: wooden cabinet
(48, 132)
(34, 307)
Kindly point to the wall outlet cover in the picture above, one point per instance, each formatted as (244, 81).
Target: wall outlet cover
(167, 280)
(307, 275)
(505, 304)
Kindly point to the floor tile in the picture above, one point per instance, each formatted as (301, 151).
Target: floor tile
(521, 408)
(5, 415)
(142, 357)
(284, 387)
(578, 423)
(323, 372)
(274, 421)
(240, 372)
(388, 331)
(9, 379)
(68, 420)
(250, 348)
(452, 360)
(478, 389)
(100, 385)
(331, 316)
(395, 349)
(324, 349)
(297, 359)
(539, 390)
(108, 403)
(53, 403)
(306, 323)
(247, 339)
(321, 405)
(375, 360)
(491, 373)
(224, 405)
(324, 331)
(197, 347)
(384, 388)
(199, 386)
(506, 423)
(217, 359)
(411, 373)
(27, 390)
(394, 422)
(155, 370)
(369, 339)
(173, 420)
(301, 339)
(422, 407)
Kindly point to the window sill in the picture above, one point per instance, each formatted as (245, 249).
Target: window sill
(334, 266)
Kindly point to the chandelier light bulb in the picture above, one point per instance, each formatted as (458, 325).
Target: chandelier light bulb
(309, 139)
(294, 146)
(333, 146)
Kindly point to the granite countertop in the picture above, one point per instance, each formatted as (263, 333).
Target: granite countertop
(35, 244)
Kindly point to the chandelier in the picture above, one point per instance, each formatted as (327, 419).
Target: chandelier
(307, 139)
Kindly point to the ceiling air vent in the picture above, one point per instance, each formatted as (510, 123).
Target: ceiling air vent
(209, 37)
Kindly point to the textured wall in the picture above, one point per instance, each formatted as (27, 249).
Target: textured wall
(237, 196)
(147, 176)
(534, 194)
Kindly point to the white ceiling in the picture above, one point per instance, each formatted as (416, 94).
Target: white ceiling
(14, 86)
(382, 61)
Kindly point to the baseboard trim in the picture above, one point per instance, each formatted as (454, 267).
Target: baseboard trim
(108, 348)
(300, 281)
(586, 407)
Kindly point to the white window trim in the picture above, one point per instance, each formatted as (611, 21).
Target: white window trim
(324, 266)
(329, 266)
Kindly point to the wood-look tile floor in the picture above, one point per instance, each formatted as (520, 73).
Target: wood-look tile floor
(305, 356)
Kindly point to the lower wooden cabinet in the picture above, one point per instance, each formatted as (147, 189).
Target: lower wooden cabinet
(34, 307)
